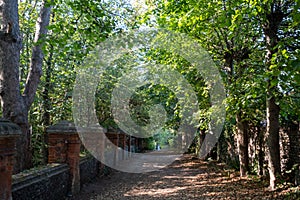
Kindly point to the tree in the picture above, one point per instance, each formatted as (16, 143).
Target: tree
(236, 33)
(224, 28)
(272, 15)
(75, 29)
(14, 103)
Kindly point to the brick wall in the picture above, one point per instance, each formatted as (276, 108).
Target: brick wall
(51, 182)
(8, 135)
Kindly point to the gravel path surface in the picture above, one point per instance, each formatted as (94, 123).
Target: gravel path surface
(186, 178)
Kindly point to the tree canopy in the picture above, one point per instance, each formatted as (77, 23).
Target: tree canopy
(254, 45)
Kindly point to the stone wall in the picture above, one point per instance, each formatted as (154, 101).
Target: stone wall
(289, 150)
(51, 182)
(89, 169)
(48, 183)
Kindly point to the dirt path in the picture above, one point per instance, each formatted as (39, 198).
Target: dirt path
(187, 178)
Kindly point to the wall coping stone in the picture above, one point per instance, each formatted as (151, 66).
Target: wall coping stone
(36, 175)
(92, 129)
(112, 130)
(63, 127)
(9, 129)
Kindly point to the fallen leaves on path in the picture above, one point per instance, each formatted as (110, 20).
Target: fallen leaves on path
(187, 178)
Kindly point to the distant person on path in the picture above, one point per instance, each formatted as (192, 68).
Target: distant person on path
(157, 146)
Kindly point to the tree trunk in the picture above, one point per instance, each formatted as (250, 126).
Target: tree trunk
(15, 106)
(12, 102)
(200, 140)
(35, 71)
(273, 140)
(46, 117)
(273, 20)
(260, 170)
(242, 143)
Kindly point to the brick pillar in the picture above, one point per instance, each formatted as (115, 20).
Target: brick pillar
(94, 140)
(137, 147)
(113, 136)
(129, 146)
(134, 144)
(116, 155)
(122, 143)
(8, 135)
(64, 147)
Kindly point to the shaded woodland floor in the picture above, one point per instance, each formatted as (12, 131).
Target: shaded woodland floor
(187, 178)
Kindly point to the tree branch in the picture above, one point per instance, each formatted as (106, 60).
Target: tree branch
(35, 71)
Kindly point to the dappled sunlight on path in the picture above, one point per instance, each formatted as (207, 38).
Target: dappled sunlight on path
(187, 178)
(148, 162)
